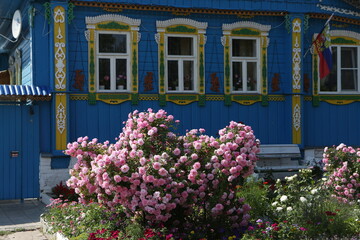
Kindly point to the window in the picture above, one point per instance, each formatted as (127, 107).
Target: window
(181, 56)
(181, 65)
(113, 60)
(245, 64)
(344, 75)
(245, 59)
(113, 56)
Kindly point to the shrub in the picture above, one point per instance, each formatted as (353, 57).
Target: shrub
(343, 166)
(163, 178)
(64, 192)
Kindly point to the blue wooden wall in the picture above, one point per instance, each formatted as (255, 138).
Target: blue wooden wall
(105, 121)
(272, 124)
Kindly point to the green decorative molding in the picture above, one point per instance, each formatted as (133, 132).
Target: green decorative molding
(92, 98)
(70, 12)
(264, 100)
(182, 29)
(342, 41)
(113, 25)
(202, 100)
(264, 72)
(201, 72)
(47, 7)
(227, 99)
(134, 71)
(227, 70)
(134, 98)
(288, 23)
(162, 71)
(104, 96)
(306, 22)
(245, 31)
(246, 97)
(315, 76)
(182, 97)
(162, 100)
(340, 97)
(92, 67)
(316, 101)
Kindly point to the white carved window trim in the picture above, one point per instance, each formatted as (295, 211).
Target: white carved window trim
(113, 57)
(180, 59)
(244, 61)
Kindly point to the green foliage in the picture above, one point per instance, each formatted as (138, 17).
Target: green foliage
(75, 220)
(256, 194)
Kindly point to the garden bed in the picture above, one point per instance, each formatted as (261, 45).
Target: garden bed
(50, 235)
(153, 184)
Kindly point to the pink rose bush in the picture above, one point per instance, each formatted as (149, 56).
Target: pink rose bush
(164, 178)
(343, 166)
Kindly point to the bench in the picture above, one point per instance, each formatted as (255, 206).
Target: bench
(281, 159)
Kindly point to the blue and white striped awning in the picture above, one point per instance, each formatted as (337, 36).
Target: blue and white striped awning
(22, 92)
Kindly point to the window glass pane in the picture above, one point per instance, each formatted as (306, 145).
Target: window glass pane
(188, 75)
(112, 43)
(251, 76)
(237, 76)
(348, 57)
(121, 78)
(329, 83)
(243, 48)
(180, 46)
(104, 73)
(349, 80)
(173, 75)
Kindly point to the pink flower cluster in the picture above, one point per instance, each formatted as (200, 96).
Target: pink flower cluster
(153, 171)
(343, 165)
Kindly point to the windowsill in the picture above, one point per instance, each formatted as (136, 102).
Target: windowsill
(339, 93)
(113, 91)
(181, 92)
(243, 92)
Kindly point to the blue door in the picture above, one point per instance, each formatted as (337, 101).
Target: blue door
(19, 152)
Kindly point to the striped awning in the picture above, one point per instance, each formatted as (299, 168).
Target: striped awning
(24, 92)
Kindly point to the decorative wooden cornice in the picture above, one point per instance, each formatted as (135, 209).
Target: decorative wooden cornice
(239, 13)
(177, 9)
(335, 18)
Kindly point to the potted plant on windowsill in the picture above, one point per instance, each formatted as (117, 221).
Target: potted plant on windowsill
(121, 82)
(104, 83)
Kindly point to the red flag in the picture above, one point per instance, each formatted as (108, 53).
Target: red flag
(322, 45)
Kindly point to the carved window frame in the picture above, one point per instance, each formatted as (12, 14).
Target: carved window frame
(339, 38)
(182, 27)
(252, 31)
(113, 24)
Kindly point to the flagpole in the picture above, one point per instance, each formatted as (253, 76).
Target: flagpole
(327, 21)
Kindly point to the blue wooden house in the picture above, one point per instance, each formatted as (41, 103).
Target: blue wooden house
(79, 67)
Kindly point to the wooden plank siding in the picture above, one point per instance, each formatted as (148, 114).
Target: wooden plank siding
(105, 122)
(19, 176)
